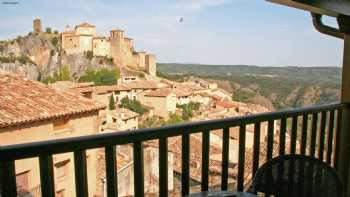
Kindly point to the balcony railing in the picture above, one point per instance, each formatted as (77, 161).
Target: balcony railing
(325, 123)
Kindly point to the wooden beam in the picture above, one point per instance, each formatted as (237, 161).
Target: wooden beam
(344, 156)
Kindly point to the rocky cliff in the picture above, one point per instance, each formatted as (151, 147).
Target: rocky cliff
(38, 55)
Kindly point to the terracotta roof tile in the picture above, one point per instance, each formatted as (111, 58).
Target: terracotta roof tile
(164, 92)
(141, 84)
(24, 101)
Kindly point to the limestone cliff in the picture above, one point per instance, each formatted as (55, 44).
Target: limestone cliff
(41, 57)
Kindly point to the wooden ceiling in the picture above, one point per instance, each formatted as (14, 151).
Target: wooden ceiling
(325, 7)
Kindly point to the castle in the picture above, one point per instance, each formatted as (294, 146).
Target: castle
(83, 38)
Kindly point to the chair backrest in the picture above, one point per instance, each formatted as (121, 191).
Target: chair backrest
(297, 176)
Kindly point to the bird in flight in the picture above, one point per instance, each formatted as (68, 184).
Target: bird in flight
(181, 20)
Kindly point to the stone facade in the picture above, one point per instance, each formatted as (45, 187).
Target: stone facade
(37, 25)
(46, 114)
(83, 39)
(151, 66)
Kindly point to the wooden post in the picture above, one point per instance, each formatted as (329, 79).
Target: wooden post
(344, 156)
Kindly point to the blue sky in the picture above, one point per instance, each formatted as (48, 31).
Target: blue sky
(252, 32)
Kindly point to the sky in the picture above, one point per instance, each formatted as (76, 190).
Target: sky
(248, 32)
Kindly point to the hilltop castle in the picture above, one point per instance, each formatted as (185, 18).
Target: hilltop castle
(83, 38)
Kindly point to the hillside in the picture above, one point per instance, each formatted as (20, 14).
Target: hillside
(280, 87)
(39, 55)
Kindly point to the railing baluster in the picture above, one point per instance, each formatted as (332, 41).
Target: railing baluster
(225, 157)
(111, 171)
(304, 135)
(283, 126)
(256, 152)
(321, 141)
(81, 185)
(205, 159)
(138, 170)
(270, 132)
(330, 138)
(47, 176)
(8, 179)
(241, 157)
(337, 138)
(185, 175)
(313, 134)
(163, 167)
(294, 132)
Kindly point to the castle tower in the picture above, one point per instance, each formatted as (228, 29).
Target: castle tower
(37, 25)
(151, 66)
(117, 44)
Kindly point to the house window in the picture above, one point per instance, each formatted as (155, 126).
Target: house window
(22, 181)
(62, 169)
(114, 120)
(61, 124)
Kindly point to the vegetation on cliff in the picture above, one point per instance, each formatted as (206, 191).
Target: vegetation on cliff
(101, 77)
(62, 75)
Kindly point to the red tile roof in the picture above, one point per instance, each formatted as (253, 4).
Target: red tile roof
(164, 92)
(225, 104)
(141, 84)
(24, 101)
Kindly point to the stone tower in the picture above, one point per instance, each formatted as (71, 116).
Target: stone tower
(37, 25)
(117, 44)
(151, 65)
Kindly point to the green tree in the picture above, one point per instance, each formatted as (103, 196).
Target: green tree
(152, 122)
(54, 41)
(187, 109)
(101, 77)
(48, 30)
(64, 74)
(174, 119)
(55, 32)
(133, 105)
(89, 55)
(111, 102)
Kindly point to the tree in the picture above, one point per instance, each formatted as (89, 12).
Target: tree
(89, 55)
(174, 119)
(48, 30)
(54, 41)
(55, 32)
(133, 105)
(187, 109)
(101, 77)
(64, 74)
(111, 102)
(152, 122)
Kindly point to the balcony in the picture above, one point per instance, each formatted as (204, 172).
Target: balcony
(314, 131)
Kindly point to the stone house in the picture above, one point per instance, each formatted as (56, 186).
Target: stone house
(163, 101)
(30, 112)
(120, 119)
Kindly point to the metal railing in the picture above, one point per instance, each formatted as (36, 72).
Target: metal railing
(320, 142)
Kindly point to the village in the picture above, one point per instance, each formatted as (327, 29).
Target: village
(33, 111)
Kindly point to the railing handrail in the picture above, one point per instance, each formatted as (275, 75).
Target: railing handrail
(34, 149)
